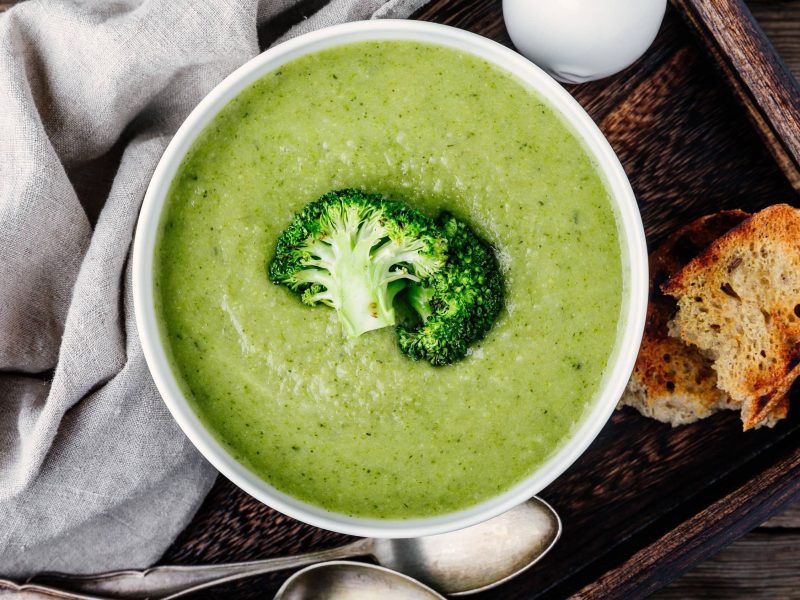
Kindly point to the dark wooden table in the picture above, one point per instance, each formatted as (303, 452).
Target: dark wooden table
(645, 503)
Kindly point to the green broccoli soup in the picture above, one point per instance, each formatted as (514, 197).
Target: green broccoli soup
(354, 424)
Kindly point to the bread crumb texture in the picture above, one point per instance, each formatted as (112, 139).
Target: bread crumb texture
(739, 304)
(723, 333)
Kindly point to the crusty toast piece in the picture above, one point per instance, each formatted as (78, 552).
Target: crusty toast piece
(778, 412)
(739, 303)
(672, 381)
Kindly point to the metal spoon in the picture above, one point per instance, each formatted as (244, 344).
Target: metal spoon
(458, 563)
(34, 591)
(345, 580)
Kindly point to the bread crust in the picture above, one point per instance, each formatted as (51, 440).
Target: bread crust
(739, 303)
(672, 381)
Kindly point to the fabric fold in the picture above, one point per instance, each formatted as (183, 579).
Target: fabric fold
(94, 472)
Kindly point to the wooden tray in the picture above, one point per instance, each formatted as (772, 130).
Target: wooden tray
(645, 502)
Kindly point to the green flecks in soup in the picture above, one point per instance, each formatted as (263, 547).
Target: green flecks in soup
(353, 425)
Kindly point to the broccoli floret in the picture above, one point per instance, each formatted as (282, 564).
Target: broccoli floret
(458, 304)
(354, 252)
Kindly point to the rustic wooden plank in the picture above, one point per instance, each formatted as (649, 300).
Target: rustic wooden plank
(756, 74)
(664, 133)
(780, 20)
(760, 566)
(787, 519)
(732, 515)
(764, 564)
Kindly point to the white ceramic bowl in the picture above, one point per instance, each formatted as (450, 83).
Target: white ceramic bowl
(634, 255)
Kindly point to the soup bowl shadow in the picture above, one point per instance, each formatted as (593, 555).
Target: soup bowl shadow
(633, 252)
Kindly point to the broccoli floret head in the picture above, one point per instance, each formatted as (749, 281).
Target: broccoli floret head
(458, 304)
(354, 252)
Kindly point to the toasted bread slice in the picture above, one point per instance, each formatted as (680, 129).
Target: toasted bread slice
(778, 412)
(739, 303)
(672, 381)
(769, 409)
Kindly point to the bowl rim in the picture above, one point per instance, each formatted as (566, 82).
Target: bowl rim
(633, 253)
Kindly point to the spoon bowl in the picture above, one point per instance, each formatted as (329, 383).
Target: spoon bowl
(479, 557)
(345, 580)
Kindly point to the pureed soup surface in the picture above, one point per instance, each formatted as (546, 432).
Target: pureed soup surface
(353, 425)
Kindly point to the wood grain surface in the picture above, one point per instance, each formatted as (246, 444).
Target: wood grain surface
(645, 502)
(780, 20)
(756, 74)
(760, 566)
(788, 519)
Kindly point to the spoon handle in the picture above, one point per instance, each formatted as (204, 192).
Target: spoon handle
(34, 591)
(168, 582)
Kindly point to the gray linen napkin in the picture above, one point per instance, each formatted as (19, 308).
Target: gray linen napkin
(94, 473)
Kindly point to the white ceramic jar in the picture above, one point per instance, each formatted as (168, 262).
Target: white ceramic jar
(580, 40)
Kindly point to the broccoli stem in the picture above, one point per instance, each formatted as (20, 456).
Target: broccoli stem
(361, 305)
(364, 282)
